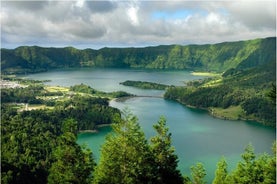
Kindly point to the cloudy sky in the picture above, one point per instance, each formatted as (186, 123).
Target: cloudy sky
(97, 24)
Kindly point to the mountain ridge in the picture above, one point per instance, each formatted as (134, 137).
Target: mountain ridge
(217, 57)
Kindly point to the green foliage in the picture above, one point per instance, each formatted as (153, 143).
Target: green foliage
(120, 94)
(198, 174)
(82, 88)
(25, 147)
(36, 146)
(221, 172)
(90, 111)
(144, 85)
(272, 94)
(254, 169)
(217, 57)
(22, 95)
(39, 146)
(166, 160)
(87, 111)
(30, 143)
(125, 155)
(262, 108)
(71, 163)
(69, 125)
(245, 88)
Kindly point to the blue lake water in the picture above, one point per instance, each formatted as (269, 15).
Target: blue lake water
(197, 137)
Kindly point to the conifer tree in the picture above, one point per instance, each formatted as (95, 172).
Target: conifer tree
(166, 160)
(198, 173)
(125, 156)
(270, 167)
(72, 164)
(221, 172)
(254, 170)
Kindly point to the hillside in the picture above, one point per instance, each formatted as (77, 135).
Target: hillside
(211, 57)
(237, 94)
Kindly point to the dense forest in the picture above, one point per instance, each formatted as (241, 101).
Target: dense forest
(39, 126)
(210, 57)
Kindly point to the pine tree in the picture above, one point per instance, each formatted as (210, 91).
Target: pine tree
(270, 167)
(221, 172)
(166, 160)
(254, 170)
(125, 156)
(72, 164)
(198, 174)
(244, 170)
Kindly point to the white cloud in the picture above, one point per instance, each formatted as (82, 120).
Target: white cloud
(254, 14)
(131, 23)
(132, 14)
(80, 3)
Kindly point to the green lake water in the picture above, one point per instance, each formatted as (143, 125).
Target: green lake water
(196, 136)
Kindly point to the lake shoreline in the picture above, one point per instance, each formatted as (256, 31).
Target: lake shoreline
(211, 112)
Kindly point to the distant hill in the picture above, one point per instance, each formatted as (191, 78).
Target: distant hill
(210, 57)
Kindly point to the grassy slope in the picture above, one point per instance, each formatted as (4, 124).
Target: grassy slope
(231, 113)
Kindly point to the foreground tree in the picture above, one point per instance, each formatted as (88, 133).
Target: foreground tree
(125, 156)
(198, 174)
(166, 161)
(221, 172)
(72, 164)
(254, 170)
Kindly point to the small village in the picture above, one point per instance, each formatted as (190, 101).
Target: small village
(10, 84)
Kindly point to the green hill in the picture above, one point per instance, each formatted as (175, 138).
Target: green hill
(237, 94)
(213, 57)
